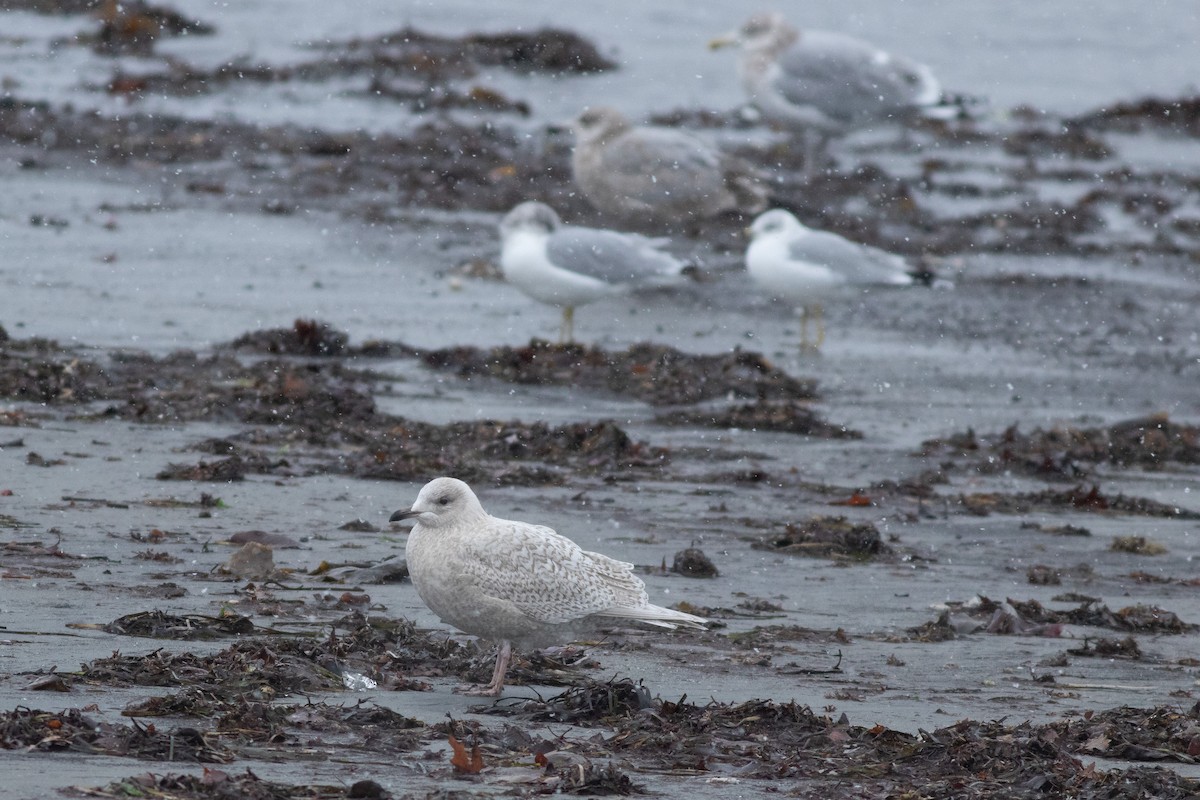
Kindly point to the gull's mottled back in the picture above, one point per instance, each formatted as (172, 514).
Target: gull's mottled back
(642, 174)
(513, 581)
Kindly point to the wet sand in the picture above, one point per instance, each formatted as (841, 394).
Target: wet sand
(1027, 436)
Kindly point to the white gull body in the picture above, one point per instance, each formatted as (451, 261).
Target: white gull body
(568, 266)
(515, 582)
(793, 262)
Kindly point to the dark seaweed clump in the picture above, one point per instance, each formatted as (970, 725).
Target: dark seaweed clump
(827, 537)
(1069, 453)
(654, 373)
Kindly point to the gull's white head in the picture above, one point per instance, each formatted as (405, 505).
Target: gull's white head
(598, 124)
(442, 501)
(775, 222)
(767, 31)
(530, 216)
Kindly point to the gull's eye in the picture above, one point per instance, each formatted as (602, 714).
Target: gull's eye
(444, 501)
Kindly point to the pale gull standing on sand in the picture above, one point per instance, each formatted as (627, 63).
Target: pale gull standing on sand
(514, 582)
(569, 265)
(824, 83)
(644, 175)
(794, 262)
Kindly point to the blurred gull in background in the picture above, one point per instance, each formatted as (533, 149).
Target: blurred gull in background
(643, 175)
(569, 266)
(794, 262)
(825, 84)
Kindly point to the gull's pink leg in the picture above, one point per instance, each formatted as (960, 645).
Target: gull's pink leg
(493, 689)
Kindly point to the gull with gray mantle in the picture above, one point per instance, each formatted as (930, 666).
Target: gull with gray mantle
(794, 262)
(568, 265)
(824, 83)
(645, 175)
(514, 582)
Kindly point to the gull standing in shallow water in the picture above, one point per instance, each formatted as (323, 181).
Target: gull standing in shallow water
(514, 582)
(644, 175)
(568, 266)
(794, 262)
(826, 83)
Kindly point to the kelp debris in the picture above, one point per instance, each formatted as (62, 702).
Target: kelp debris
(1056, 530)
(133, 27)
(1030, 617)
(770, 637)
(1137, 734)
(42, 371)
(654, 373)
(543, 50)
(1078, 498)
(1043, 575)
(1180, 115)
(485, 450)
(306, 337)
(408, 64)
(220, 785)
(310, 407)
(1138, 545)
(256, 718)
(71, 731)
(590, 704)
(1105, 647)
(594, 779)
(692, 562)
(190, 627)
(786, 416)
(1071, 453)
(790, 740)
(224, 470)
(827, 537)
(385, 650)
